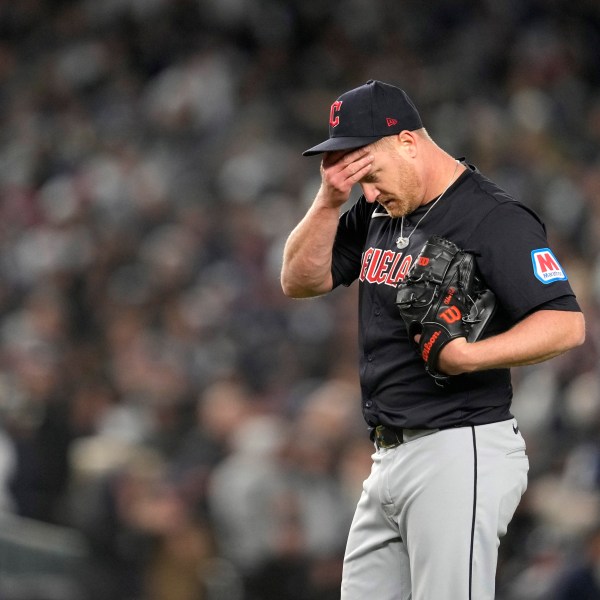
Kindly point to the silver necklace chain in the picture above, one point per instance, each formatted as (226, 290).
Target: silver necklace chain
(402, 241)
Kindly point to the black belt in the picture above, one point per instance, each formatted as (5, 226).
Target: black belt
(385, 437)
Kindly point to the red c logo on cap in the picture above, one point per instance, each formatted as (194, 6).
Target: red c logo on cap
(334, 119)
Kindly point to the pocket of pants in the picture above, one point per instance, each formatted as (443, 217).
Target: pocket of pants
(517, 453)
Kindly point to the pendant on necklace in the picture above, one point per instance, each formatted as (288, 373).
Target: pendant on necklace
(401, 242)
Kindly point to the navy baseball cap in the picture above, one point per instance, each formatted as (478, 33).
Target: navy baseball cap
(367, 114)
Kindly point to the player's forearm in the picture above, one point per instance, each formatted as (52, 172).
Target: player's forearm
(539, 337)
(306, 269)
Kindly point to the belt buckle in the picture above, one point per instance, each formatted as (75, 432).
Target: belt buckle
(380, 438)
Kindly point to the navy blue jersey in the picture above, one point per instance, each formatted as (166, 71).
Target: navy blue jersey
(514, 260)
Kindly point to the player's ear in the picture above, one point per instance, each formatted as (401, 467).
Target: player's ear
(407, 141)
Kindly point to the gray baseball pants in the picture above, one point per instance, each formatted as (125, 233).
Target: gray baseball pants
(431, 515)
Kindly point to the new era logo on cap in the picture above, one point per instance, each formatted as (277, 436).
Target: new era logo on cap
(366, 114)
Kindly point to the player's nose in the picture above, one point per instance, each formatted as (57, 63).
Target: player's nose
(370, 192)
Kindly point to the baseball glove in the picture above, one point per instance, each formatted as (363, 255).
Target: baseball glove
(441, 298)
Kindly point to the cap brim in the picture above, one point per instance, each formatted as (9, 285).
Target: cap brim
(341, 143)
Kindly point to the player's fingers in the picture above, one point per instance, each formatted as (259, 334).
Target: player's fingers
(344, 157)
(355, 155)
(341, 174)
(361, 166)
(347, 178)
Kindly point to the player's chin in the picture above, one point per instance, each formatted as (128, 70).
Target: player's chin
(393, 208)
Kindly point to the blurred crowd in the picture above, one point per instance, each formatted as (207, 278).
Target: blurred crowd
(158, 393)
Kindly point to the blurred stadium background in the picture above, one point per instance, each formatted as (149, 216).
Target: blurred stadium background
(172, 427)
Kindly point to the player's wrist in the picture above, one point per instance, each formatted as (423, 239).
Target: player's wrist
(457, 357)
(330, 198)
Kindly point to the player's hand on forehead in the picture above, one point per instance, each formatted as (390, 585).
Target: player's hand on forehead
(345, 157)
(341, 170)
(347, 166)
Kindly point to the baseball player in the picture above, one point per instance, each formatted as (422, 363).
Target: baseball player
(450, 464)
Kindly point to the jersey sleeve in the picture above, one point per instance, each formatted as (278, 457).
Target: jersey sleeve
(517, 263)
(349, 243)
